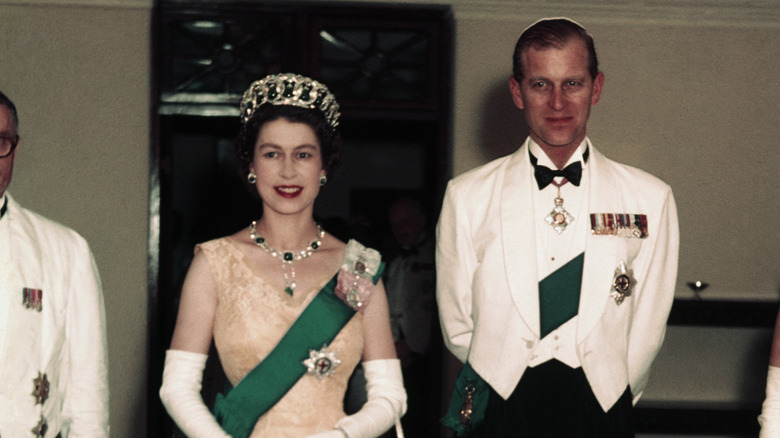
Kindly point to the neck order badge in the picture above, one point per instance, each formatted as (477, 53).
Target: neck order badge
(558, 218)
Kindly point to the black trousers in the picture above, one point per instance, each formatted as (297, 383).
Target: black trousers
(553, 400)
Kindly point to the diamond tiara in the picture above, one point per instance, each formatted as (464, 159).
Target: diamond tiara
(290, 89)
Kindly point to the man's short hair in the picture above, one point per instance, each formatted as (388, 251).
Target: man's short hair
(5, 101)
(553, 32)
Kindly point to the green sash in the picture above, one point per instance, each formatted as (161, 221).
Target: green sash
(319, 323)
(468, 403)
(559, 295)
(559, 299)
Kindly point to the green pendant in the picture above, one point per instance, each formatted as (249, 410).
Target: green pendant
(289, 290)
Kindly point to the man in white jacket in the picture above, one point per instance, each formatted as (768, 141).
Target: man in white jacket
(770, 413)
(554, 286)
(53, 362)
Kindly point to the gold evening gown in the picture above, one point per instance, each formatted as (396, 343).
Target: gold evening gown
(251, 317)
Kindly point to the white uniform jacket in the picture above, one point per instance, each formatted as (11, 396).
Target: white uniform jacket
(63, 339)
(487, 285)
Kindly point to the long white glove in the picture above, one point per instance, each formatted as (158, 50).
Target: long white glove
(386, 403)
(180, 393)
(770, 414)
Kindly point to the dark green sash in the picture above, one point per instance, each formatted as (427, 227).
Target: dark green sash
(559, 300)
(319, 323)
(468, 403)
(559, 295)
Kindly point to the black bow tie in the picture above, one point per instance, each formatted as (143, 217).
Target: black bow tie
(544, 175)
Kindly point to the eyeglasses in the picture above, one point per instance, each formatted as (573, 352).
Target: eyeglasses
(7, 145)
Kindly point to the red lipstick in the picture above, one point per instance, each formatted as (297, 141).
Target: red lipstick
(288, 191)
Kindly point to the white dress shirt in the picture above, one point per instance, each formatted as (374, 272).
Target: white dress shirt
(554, 250)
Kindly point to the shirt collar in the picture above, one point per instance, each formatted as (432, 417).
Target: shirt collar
(544, 160)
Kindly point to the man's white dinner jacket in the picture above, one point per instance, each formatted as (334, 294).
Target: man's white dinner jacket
(43, 262)
(487, 285)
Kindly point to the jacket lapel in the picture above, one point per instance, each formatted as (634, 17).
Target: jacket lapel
(24, 331)
(603, 197)
(518, 233)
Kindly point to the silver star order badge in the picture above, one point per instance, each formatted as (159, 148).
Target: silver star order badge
(559, 218)
(621, 283)
(41, 428)
(322, 363)
(41, 391)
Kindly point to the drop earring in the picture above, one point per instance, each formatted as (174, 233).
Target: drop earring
(323, 180)
(252, 178)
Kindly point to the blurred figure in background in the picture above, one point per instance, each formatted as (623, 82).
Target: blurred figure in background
(411, 286)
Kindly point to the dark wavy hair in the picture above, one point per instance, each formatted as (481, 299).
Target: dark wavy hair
(553, 33)
(329, 137)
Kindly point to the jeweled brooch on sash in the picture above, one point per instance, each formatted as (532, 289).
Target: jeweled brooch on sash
(322, 363)
(354, 282)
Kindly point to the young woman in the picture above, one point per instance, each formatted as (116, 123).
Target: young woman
(292, 310)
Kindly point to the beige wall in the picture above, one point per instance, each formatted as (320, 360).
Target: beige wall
(80, 79)
(693, 101)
